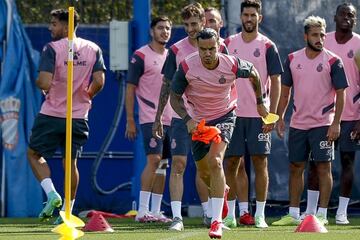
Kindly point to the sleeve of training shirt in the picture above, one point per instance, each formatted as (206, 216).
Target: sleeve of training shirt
(337, 74)
(169, 67)
(179, 82)
(47, 60)
(243, 69)
(99, 63)
(286, 77)
(273, 61)
(136, 69)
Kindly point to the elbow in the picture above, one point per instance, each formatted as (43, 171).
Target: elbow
(42, 85)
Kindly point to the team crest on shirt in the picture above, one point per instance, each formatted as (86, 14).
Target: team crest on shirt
(152, 143)
(173, 143)
(319, 67)
(155, 63)
(257, 52)
(350, 53)
(222, 79)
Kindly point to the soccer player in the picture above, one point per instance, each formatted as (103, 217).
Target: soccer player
(250, 132)
(343, 42)
(193, 17)
(206, 78)
(144, 81)
(49, 130)
(318, 80)
(214, 21)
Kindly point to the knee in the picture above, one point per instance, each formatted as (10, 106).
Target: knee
(323, 169)
(215, 162)
(153, 162)
(232, 165)
(296, 168)
(178, 166)
(260, 163)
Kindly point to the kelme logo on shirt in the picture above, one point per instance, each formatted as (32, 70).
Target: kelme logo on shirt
(235, 51)
(350, 54)
(77, 62)
(222, 79)
(257, 52)
(299, 66)
(155, 63)
(319, 67)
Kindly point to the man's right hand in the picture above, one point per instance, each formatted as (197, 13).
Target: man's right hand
(130, 132)
(191, 126)
(158, 130)
(280, 127)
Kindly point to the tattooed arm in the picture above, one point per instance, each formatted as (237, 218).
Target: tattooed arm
(157, 129)
(255, 81)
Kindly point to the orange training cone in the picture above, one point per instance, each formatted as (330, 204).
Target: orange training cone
(311, 224)
(97, 223)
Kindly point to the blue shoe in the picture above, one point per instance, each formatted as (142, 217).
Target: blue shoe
(54, 201)
(58, 221)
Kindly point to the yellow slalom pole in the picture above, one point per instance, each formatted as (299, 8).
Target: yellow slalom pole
(70, 68)
(68, 228)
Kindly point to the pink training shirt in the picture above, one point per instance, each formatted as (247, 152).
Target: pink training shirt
(85, 57)
(346, 52)
(145, 72)
(208, 92)
(263, 53)
(314, 83)
(177, 53)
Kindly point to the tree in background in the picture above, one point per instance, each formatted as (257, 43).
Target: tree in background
(101, 12)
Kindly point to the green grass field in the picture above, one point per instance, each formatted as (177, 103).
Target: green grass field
(30, 228)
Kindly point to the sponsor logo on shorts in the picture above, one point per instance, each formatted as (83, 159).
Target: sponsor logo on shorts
(325, 145)
(264, 137)
(224, 126)
(152, 143)
(173, 143)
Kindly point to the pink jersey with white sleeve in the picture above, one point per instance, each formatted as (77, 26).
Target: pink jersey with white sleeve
(347, 52)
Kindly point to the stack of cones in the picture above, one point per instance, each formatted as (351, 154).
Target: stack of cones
(97, 223)
(311, 224)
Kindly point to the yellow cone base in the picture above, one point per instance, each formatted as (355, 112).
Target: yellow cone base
(68, 229)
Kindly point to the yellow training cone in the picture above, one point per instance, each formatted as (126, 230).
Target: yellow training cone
(67, 232)
(270, 118)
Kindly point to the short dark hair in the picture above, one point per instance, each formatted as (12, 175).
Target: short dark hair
(345, 4)
(251, 3)
(207, 33)
(155, 21)
(63, 16)
(193, 10)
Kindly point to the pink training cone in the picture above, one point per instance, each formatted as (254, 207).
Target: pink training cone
(311, 224)
(97, 223)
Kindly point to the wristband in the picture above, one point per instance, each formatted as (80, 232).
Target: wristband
(259, 100)
(186, 118)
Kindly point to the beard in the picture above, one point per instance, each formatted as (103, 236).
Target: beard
(312, 47)
(248, 29)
